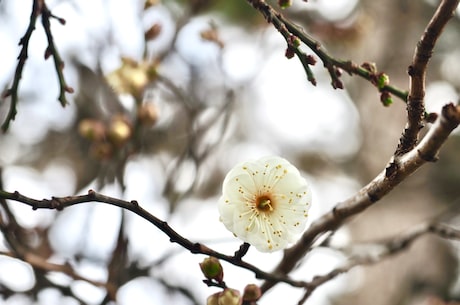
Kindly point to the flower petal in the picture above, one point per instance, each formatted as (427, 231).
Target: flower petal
(271, 179)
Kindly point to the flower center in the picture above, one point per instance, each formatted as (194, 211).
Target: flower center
(264, 204)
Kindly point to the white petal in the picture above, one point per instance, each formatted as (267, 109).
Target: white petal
(280, 181)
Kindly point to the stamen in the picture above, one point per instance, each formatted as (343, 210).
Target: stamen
(264, 204)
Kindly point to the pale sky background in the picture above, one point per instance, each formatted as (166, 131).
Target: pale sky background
(296, 117)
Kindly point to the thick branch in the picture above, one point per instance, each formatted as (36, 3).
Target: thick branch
(417, 73)
(395, 173)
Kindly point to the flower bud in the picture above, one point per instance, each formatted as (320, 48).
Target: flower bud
(290, 52)
(386, 99)
(152, 32)
(91, 129)
(119, 130)
(370, 67)
(147, 114)
(284, 3)
(212, 269)
(382, 80)
(213, 299)
(251, 293)
(230, 297)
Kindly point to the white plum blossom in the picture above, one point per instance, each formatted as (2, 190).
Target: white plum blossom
(265, 203)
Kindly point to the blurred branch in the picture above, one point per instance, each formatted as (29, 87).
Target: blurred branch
(38, 262)
(387, 249)
(291, 31)
(39, 8)
(396, 172)
(417, 73)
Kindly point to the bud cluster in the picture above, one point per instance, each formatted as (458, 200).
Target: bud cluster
(133, 77)
(381, 81)
(106, 137)
(214, 273)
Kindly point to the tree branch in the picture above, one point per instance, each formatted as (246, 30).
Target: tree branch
(388, 249)
(417, 73)
(394, 174)
(40, 263)
(39, 8)
(23, 55)
(289, 30)
(60, 203)
(52, 51)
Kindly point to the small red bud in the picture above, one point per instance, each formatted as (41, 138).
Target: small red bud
(311, 60)
(289, 52)
(7, 93)
(338, 72)
(69, 89)
(369, 66)
(337, 84)
(48, 53)
(153, 32)
(431, 117)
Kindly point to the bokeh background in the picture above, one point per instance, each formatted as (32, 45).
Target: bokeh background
(169, 95)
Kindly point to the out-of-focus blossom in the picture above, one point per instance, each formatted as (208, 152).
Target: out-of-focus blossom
(226, 297)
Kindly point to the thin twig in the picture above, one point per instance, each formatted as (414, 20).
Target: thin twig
(52, 50)
(23, 55)
(287, 29)
(39, 8)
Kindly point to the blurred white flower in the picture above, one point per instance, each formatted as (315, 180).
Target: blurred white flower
(265, 203)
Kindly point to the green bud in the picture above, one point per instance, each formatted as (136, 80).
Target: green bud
(295, 41)
(382, 80)
(386, 98)
(284, 3)
(212, 269)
